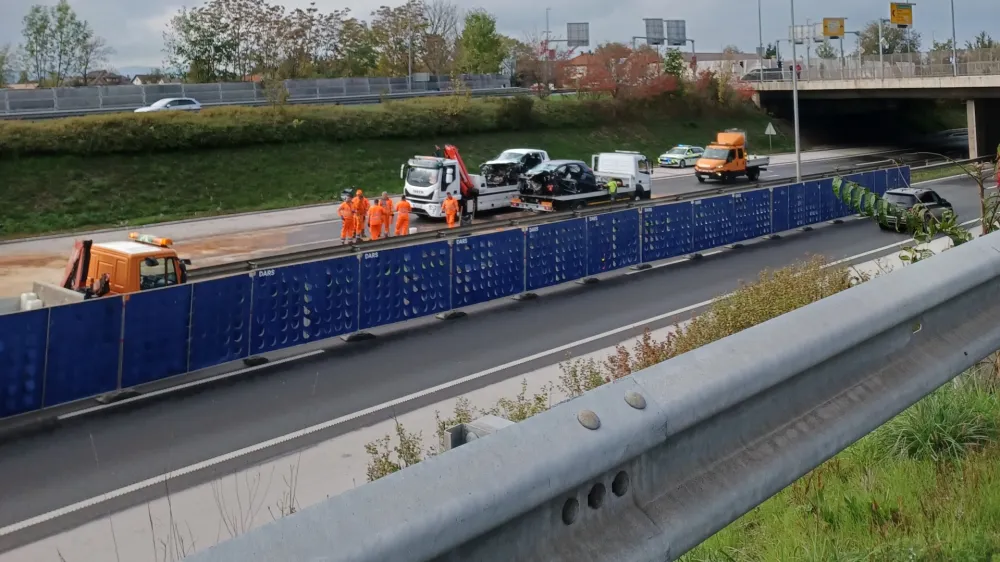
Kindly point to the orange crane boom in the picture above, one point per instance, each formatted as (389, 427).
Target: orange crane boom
(451, 152)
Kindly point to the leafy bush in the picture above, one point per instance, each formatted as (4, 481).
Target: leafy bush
(773, 294)
(225, 127)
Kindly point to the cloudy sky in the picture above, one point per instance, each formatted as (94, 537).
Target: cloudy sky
(134, 27)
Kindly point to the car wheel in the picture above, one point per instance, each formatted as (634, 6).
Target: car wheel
(701, 178)
(684, 164)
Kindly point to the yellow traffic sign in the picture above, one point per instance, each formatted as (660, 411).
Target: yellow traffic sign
(901, 14)
(833, 27)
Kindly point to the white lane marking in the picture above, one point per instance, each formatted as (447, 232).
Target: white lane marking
(325, 425)
(344, 419)
(199, 382)
(673, 262)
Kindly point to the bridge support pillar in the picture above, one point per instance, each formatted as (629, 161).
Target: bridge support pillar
(984, 126)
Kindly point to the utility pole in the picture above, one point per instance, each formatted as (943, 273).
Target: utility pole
(795, 103)
(545, 72)
(954, 42)
(760, 46)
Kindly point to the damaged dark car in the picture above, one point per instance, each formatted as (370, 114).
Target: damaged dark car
(508, 167)
(558, 177)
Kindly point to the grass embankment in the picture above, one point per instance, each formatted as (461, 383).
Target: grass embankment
(925, 486)
(110, 171)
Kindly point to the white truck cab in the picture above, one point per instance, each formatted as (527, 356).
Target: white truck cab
(632, 170)
(428, 180)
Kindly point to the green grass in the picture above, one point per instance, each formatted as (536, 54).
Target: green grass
(45, 194)
(926, 486)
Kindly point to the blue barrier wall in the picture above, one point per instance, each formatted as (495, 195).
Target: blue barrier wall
(66, 353)
(22, 361)
(487, 267)
(302, 303)
(667, 231)
(556, 253)
(84, 349)
(220, 321)
(612, 241)
(405, 283)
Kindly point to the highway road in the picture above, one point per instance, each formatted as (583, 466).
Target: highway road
(676, 182)
(102, 453)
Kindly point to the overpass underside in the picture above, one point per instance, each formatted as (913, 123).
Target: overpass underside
(894, 116)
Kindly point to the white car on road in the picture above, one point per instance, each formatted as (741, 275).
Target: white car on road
(172, 104)
(680, 156)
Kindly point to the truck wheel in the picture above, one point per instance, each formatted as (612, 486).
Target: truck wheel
(701, 178)
(579, 206)
(753, 174)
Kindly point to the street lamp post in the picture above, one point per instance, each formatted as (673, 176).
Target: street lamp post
(954, 46)
(760, 46)
(795, 102)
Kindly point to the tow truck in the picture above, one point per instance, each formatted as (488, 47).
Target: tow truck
(727, 158)
(428, 180)
(560, 185)
(96, 270)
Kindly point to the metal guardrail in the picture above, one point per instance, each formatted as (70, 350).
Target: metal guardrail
(647, 467)
(832, 70)
(326, 252)
(331, 100)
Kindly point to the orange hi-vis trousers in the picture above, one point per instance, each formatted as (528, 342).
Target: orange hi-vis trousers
(450, 218)
(347, 229)
(375, 229)
(402, 225)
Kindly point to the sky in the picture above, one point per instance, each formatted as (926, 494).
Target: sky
(134, 27)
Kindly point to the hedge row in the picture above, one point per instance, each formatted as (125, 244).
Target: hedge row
(227, 127)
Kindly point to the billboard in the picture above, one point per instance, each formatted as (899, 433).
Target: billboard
(577, 35)
(833, 28)
(654, 31)
(901, 14)
(676, 32)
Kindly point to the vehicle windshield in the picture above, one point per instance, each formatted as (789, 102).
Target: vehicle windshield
(715, 154)
(510, 155)
(157, 272)
(161, 103)
(901, 200)
(422, 177)
(544, 167)
(676, 151)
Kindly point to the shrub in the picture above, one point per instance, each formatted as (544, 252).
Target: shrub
(226, 127)
(773, 294)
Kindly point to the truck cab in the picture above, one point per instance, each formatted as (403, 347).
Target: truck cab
(144, 262)
(427, 180)
(727, 158)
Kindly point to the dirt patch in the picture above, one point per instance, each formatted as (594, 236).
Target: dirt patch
(18, 272)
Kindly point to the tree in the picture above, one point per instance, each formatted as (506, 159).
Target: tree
(982, 41)
(896, 40)
(620, 72)
(673, 63)
(826, 51)
(93, 51)
(357, 53)
(731, 50)
(771, 51)
(8, 62)
(37, 32)
(396, 33)
(441, 36)
(68, 36)
(481, 48)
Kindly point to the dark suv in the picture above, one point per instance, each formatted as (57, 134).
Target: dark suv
(908, 197)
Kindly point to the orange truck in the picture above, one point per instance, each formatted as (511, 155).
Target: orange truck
(112, 268)
(727, 158)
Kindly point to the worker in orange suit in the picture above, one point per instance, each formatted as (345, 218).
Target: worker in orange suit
(387, 210)
(360, 205)
(403, 209)
(450, 210)
(376, 216)
(346, 213)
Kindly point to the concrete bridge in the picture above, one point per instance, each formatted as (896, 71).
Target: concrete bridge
(853, 88)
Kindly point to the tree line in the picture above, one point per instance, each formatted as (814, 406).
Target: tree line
(58, 48)
(239, 39)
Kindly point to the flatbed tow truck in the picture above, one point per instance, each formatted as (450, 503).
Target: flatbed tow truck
(564, 185)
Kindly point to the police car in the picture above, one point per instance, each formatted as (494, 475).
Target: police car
(680, 156)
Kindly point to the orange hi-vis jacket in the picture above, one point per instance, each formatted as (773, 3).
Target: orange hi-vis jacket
(360, 204)
(403, 209)
(346, 211)
(376, 214)
(450, 207)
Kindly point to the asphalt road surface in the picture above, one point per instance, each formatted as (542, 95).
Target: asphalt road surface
(680, 182)
(48, 471)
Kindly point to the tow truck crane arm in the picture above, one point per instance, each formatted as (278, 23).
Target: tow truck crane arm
(468, 188)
